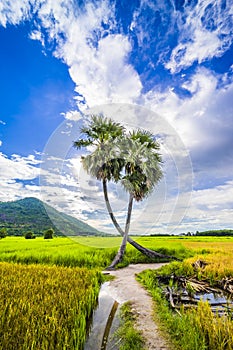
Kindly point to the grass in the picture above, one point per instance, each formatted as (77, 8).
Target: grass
(90, 252)
(127, 336)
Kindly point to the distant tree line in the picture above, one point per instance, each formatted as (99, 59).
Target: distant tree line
(224, 232)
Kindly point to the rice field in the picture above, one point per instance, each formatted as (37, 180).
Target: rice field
(45, 307)
(97, 252)
(49, 288)
(90, 252)
(57, 251)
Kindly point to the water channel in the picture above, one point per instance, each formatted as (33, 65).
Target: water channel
(104, 323)
(105, 320)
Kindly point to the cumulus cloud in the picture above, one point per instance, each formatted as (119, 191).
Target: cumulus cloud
(72, 115)
(96, 57)
(37, 35)
(108, 77)
(211, 208)
(17, 167)
(199, 118)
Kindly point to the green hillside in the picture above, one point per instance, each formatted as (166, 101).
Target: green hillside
(31, 214)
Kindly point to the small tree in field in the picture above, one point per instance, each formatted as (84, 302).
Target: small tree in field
(48, 234)
(130, 158)
(3, 232)
(29, 235)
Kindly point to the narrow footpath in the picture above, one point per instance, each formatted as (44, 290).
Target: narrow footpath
(125, 288)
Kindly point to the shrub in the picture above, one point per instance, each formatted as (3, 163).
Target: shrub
(3, 232)
(29, 235)
(48, 234)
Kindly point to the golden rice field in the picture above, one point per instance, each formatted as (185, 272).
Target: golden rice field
(45, 307)
(211, 244)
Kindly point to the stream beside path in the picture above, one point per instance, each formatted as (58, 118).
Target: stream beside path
(116, 292)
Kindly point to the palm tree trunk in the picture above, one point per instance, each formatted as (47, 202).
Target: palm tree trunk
(148, 252)
(119, 256)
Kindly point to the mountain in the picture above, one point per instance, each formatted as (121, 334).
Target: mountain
(31, 214)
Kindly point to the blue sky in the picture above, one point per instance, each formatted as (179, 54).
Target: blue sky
(60, 59)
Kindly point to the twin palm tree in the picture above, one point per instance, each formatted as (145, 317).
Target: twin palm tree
(129, 158)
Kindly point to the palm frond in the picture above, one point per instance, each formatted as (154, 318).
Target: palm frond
(82, 143)
(146, 138)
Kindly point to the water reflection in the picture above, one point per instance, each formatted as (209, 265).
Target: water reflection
(104, 322)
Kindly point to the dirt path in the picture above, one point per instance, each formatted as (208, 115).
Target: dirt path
(125, 288)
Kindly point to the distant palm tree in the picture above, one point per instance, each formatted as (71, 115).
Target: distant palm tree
(132, 159)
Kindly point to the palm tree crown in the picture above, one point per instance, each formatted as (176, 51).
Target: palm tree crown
(132, 158)
(99, 131)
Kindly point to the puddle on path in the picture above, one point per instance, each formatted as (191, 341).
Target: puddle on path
(104, 323)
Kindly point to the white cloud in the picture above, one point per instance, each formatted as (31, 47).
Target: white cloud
(211, 208)
(204, 45)
(102, 75)
(97, 57)
(17, 167)
(72, 115)
(13, 172)
(97, 61)
(14, 11)
(206, 33)
(204, 121)
(37, 35)
(198, 119)
(217, 197)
